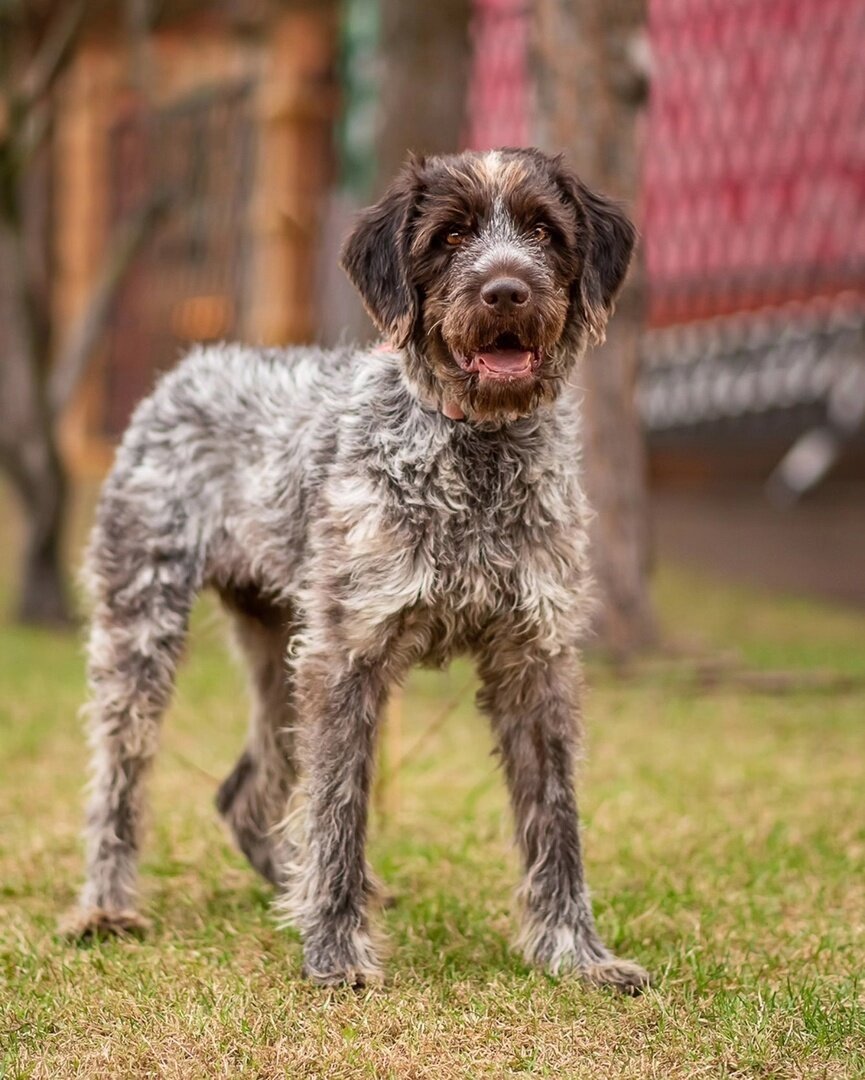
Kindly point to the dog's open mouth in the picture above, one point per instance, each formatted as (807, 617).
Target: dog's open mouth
(504, 358)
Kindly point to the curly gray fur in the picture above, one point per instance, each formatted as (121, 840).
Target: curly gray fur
(353, 529)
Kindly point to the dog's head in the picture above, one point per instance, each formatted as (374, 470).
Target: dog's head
(492, 272)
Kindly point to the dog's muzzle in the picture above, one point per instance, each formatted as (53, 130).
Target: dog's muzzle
(506, 358)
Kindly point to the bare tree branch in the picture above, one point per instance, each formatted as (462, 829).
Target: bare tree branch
(74, 356)
(139, 16)
(55, 51)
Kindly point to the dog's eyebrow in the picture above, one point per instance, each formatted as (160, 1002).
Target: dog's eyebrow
(526, 206)
(462, 194)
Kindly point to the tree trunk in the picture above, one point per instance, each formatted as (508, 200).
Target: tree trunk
(425, 53)
(29, 452)
(591, 89)
(43, 599)
(28, 449)
(615, 463)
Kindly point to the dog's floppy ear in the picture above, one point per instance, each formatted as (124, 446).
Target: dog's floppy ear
(607, 243)
(375, 258)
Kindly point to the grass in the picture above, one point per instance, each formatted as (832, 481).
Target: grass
(725, 842)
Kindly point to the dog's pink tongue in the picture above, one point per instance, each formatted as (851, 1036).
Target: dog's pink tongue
(506, 361)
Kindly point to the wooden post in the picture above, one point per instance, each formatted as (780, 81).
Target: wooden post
(295, 110)
(81, 146)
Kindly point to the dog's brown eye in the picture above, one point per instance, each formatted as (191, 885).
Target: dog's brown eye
(454, 238)
(541, 233)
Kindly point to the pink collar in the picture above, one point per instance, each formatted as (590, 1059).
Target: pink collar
(452, 411)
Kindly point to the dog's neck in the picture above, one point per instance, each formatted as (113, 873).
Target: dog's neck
(445, 406)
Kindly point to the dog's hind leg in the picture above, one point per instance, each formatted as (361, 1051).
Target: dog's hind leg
(252, 799)
(145, 579)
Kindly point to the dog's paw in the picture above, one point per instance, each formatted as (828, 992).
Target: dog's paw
(90, 923)
(563, 950)
(342, 961)
(622, 975)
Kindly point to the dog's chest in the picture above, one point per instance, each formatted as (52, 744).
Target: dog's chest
(465, 541)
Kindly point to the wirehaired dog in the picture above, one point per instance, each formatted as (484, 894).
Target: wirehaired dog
(360, 511)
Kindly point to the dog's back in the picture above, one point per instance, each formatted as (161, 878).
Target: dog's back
(229, 436)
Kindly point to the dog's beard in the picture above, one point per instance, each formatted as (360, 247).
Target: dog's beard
(494, 368)
(501, 380)
(499, 400)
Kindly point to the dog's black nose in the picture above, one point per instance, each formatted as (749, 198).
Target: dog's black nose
(505, 293)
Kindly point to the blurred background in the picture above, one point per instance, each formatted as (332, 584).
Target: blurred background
(175, 171)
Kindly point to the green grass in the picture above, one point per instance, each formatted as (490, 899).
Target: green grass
(725, 835)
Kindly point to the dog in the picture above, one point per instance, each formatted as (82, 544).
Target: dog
(359, 511)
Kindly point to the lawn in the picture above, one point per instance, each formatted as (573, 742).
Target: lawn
(725, 830)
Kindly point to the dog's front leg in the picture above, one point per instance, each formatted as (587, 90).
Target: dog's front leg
(327, 897)
(533, 702)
